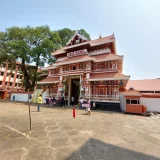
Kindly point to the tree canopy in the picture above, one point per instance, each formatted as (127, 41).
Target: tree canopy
(32, 46)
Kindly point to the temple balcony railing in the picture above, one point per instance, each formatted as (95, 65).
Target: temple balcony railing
(105, 69)
(102, 97)
(100, 51)
(94, 71)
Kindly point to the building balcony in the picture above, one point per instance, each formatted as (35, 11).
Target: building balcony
(104, 70)
(7, 79)
(12, 80)
(3, 69)
(93, 71)
(100, 51)
(1, 78)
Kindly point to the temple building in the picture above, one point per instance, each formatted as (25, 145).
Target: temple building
(91, 69)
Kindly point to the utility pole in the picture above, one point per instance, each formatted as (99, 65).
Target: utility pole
(29, 111)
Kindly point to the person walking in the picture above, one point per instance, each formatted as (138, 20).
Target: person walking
(62, 102)
(50, 101)
(81, 102)
(72, 101)
(89, 106)
(39, 100)
(30, 98)
(53, 101)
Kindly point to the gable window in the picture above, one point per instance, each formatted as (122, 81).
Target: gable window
(74, 68)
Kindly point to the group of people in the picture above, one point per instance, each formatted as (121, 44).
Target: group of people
(61, 101)
(52, 101)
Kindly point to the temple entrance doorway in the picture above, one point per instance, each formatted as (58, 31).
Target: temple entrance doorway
(75, 89)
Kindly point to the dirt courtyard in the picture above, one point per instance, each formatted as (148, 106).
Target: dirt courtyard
(56, 135)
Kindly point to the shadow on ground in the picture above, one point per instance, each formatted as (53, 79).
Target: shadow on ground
(94, 149)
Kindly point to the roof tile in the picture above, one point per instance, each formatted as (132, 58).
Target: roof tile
(144, 85)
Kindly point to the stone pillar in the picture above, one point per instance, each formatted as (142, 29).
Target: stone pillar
(106, 91)
(109, 66)
(69, 91)
(89, 87)
(110, 91)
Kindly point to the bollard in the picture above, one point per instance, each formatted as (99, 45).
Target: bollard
(74, 112)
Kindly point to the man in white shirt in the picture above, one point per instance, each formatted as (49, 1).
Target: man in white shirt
(72, 101)
(81, 101)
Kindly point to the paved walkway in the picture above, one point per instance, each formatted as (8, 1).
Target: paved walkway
(56, 135)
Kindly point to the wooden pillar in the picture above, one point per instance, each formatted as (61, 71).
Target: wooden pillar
(69, 91)
(116, 65)
(106, 91)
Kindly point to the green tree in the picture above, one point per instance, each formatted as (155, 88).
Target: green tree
(32, 47)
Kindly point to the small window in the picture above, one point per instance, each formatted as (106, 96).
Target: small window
(2, 73)
(12, 75)
(10, 84)
(17, 76)
(0, 82)
(128, 101)
(6, 83)
(74, 67)
(134, 101)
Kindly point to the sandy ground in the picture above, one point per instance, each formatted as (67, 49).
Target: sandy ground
(56, 135)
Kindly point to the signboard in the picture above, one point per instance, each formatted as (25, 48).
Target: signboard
(86, 105)
(77, 53)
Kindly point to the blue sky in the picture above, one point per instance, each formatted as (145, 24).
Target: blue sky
(135, 23)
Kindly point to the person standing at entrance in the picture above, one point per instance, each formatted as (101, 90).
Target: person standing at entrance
(72, 101)
(50, 101)
(89, 106)
(81, 102)
(39, 100)
(53, 101)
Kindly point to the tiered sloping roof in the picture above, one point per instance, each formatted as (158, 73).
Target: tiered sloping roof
(49, 80)
(95, 42)
(108, 76)
(144, 85)
(84, 58)
(131, 93)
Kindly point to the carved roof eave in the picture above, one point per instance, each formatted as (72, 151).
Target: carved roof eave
(80, 44)
(89, 59)
(109, 79)
(90, 43)
(47, 68)
(47, 82)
